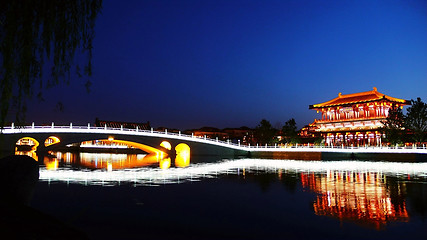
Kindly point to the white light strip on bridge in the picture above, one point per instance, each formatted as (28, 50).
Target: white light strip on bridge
(149, 176)
(102, 130)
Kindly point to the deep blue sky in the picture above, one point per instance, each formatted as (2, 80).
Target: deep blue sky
(188, 64)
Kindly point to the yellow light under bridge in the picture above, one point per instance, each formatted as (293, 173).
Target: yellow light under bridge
(141, 146)
(28, 141)
(51, 141)
(182, 155)
(166, 145)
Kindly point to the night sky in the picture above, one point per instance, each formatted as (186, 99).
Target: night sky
(189, 64)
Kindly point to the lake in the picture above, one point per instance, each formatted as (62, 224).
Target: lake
(136, 196)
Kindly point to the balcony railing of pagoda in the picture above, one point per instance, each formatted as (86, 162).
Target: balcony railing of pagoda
(348, 119)
(312, 146)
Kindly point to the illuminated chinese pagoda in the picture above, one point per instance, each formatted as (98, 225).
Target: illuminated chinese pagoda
(354, 119)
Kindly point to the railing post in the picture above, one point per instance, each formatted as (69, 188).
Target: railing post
(13, 125)
(71, 125)
(121, 127)
(166, 131)
(192, 135)
(238, 142)
(204, 137)
(105, 126)
(53, 125)
(88, 125)
(179, 133)
(151, 130)
(216, 139)
(32, 125)
(136, 128)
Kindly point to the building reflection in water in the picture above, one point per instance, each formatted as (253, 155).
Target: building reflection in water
(360, 197)
(372, 194)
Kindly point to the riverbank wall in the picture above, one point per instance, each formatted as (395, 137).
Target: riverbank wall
(334, 156)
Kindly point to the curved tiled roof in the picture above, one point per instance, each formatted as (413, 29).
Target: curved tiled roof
(361, 97)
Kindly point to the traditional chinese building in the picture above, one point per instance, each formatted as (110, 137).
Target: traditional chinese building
(354, 119)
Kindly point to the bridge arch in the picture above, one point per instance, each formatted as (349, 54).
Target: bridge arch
(51, 141)
(27, 141)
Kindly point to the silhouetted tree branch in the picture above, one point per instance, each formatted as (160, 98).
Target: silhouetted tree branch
(33, 31)
(416, 120)
(290, 132)
(264, 132)
(393, 127)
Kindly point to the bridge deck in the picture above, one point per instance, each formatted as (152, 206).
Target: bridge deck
(28, 130)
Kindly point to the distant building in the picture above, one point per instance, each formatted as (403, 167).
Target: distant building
(308, 133)
(354, 118)
(243, 134)
(165, 129)
(116, 124)
(209, 132)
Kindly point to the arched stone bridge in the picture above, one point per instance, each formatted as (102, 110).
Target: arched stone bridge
(148, 141)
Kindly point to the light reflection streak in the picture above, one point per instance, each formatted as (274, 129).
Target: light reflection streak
(361, 197)
(32, 154)
(196, 172)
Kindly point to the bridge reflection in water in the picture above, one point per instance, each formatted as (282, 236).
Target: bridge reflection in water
(365, 193)
(109, 161)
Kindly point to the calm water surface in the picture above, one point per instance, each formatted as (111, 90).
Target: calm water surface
(123, 196)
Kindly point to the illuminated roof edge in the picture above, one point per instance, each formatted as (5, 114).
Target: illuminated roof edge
(379, 96)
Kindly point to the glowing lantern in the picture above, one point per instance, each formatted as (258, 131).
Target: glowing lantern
(182, 155)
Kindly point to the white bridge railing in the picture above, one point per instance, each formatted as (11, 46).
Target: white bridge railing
(277, 147)
(109, 130)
